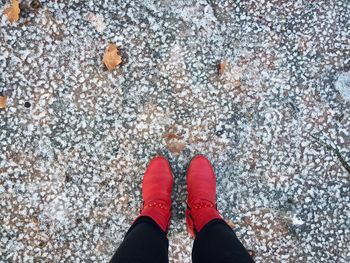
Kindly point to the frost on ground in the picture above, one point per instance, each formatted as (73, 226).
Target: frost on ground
(75, 138)
(343, 85)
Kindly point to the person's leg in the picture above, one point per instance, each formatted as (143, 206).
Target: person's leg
(217, 242)
(144, 242)
(214, 241)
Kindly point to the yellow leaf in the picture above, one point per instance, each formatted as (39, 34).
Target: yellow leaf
(111, 57)
(3, 102)
(13, 11)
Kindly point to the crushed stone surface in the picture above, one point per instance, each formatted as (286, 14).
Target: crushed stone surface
(75, 138)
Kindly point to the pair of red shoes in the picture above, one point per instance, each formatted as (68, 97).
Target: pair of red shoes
(201, 200)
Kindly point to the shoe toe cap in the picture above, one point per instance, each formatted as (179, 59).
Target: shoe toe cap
(159, 164)
(200, 164)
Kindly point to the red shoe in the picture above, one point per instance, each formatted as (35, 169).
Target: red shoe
(157, 185)
(201, 199)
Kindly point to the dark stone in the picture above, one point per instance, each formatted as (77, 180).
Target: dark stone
(68, 178)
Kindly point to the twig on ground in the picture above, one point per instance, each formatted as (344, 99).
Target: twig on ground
(335, 151)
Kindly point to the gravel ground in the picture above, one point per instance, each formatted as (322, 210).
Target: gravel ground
(76, 138)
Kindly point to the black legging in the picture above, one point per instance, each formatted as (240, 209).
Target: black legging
(145, 242)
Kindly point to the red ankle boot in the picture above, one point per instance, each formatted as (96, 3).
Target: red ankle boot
(157, 185)
(201, 199)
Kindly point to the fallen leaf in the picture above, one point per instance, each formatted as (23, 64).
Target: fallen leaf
(251, 253)
(247, 220)
(35, 4)
(222, 66)
(36, 222)
(170, 136)
(174, 142)
(303, 45)
(176, 147)
(3, 102)
(111, 57)
(236, 83)
(13, 11)
(230, 223)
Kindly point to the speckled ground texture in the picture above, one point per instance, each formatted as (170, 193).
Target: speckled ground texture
(275, 124)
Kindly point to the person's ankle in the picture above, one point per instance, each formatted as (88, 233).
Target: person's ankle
(159, 212)
(200, 213)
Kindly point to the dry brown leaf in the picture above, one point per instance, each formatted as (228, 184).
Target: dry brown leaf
(3, 102)
(111, 57)
(35, 4)
(222, 66)
(230, 223)
(176, 147)
(236, 83)
(13, 11)
(251, 253)
(247, 220)
(170, 136)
